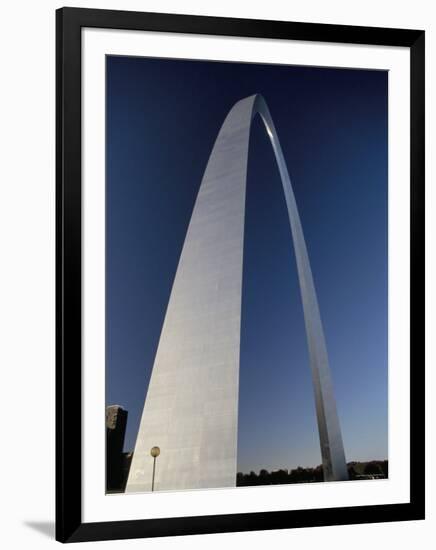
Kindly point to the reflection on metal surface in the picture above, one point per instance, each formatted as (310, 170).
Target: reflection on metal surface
(191, 408)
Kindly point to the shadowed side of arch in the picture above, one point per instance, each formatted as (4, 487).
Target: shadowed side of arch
(191, 407)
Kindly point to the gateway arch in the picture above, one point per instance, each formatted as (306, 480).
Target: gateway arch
(191, 407)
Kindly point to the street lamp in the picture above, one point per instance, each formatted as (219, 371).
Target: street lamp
(155, 452)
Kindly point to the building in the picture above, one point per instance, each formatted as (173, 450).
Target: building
(116, 421)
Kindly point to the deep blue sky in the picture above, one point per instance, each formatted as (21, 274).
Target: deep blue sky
(162, 119)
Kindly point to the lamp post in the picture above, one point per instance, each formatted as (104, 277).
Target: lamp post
(155, 452)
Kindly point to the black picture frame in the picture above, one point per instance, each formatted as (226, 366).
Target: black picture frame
(69, 525)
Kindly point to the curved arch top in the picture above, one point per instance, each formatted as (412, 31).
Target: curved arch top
(191, 407)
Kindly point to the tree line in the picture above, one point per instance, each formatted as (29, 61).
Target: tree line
(356, 470)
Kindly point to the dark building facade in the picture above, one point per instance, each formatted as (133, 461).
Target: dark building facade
(116, 421)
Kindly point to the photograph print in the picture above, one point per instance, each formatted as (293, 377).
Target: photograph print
(246, 274)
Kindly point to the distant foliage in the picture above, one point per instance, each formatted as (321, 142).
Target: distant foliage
(374, 469)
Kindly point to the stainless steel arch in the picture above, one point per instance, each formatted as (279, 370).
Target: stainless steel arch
(191, 407)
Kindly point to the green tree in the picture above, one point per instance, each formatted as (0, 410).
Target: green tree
(372, 468)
